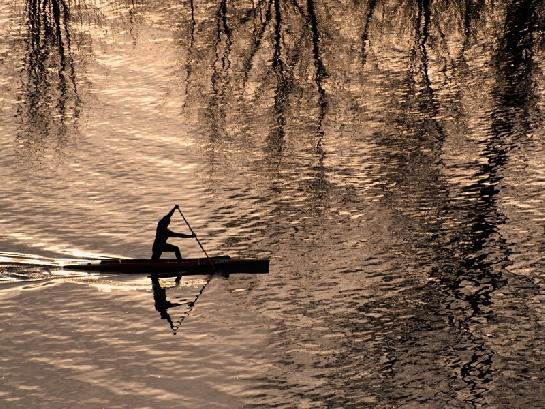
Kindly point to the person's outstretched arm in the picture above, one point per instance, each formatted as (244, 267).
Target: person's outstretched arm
(182, 235)
(169, 215)
(173, 234)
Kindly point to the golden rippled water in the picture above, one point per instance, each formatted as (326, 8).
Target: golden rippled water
(387, 156)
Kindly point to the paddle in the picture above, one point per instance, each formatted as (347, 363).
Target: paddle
(191, 305)
(198, 241)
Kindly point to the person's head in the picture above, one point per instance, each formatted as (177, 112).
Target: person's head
(165, 221)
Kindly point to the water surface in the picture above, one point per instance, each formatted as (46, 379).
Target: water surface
(387, 157)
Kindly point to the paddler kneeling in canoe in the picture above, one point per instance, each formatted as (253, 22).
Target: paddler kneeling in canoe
(160, 244)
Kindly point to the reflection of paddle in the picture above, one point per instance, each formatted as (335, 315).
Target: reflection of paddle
(196, 238)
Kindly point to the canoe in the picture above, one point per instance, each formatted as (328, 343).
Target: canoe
(188, 266)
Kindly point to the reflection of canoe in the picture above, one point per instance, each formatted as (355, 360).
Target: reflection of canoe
(188, 266)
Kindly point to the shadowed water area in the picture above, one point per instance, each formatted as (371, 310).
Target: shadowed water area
(388, 156)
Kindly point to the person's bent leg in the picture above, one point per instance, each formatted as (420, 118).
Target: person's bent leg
(156, 250)
(174, 249)
(178, 254)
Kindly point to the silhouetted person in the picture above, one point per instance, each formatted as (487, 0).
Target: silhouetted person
(160, 244)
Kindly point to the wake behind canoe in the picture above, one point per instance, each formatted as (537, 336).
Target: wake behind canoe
(195, 266)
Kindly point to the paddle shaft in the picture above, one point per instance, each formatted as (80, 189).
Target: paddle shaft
(196, 238)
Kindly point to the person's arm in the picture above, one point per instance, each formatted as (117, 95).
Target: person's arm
(182, 235)
(173, 234)
(169, 215)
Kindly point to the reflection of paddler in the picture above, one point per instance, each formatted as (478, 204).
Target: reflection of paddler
(162, 234)
(160, 298)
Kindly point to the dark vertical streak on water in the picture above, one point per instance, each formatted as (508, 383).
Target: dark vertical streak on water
(468, 13)
(297, 7)
(257, 37)
(132, 21)
(276, 140)
(224, 27)
(513, 119)
(319, 183)
(189, 62)
(71, 63)
(483, 260)
(371, 5)
(472, 15)
(219, 75)
(320, 71)
(34, 61)
(423, 20)
(515, 62)
(422, 33)
(62, 78)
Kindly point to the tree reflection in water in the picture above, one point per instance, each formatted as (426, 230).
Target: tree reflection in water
(50, 101)
(279, 80)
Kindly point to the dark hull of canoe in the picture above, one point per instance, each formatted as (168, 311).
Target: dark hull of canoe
(221, 265)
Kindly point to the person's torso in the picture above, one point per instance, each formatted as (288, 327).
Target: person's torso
(162, 233)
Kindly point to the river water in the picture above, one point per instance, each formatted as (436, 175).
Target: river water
(387, 156)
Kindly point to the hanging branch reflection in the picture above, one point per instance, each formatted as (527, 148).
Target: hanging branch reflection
(364, 37)
(189, 62)
(422, 35)
(275, 142)
(486, 252)
(50, 100)
(471, 16)
(257, 36)
(421, 189)
(220, 69)
(320, 71)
